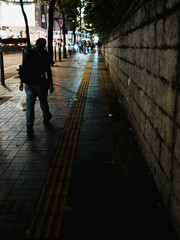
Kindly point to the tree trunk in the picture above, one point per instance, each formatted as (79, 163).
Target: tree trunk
(74, 34)
(50, 30)
(27, 26)
(64, 37)
(74, 31)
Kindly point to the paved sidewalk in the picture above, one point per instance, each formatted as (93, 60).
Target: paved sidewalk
(108, 190)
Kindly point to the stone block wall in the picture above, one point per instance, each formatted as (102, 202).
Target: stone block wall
(143, 58)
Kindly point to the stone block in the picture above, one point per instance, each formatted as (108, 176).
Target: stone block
(150, 157)
(164, 126)
(148, 36)
(164, 97)
(137, 38)
(151, 10)
(177, 144)
(120, 54)
(143, 14)
(153, 84)
(152, 138)
(165, 159)
(176, 178)
(144, 37)
(178, 110)
(160, 41)
(159, 7)
(160, 178)
(136, 111)
(143, 80)
(168, 101)
(171, 3)
(153, 58)
(171, 30)
(149, 108)
(142, 121)
(122, 89)
(166, 64)
(133, 90)
(162, 183)
(173, 211)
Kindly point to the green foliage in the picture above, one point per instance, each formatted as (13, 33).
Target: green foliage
(104, 15)
(69, 8)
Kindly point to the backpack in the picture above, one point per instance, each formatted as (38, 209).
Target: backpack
(33, 67)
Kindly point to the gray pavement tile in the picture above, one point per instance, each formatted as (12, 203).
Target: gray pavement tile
(3, 167)
(15, 166)
(19, 184)
(24, 194)
(17, 207)
(8, 218)
(7, 225)
(28, 208)
(21, 225)
(7, 174)
(24, 161)
(33, 175)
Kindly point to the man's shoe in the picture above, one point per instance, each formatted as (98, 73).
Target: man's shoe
(46, 120)
(30, 130)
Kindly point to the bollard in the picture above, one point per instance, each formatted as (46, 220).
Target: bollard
(23, 53)
(60, 53)
(2, 68)
(55, 53)
(64, 52)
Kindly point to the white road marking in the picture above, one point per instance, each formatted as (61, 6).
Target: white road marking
(10, 67)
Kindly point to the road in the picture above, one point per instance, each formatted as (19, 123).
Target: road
(10, 64)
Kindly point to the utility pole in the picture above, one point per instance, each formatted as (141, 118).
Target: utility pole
(64, 36)
(60, 25)
(2, 68)
(80, 18)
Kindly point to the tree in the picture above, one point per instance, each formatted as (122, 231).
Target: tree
(60, 12)
(69, 13)
(68, 10)
(104, 15)
(26, 24)
(72, 13)
(50, 29)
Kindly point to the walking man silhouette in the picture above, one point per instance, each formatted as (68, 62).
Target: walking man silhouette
(36, 74)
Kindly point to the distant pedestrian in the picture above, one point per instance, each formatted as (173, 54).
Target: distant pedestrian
(37, 75)
(84, 46)
(92, 46)
(69, 52)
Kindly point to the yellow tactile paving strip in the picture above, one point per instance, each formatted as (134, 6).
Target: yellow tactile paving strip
(47, 220)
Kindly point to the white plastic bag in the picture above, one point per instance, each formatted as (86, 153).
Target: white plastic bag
(22, 103)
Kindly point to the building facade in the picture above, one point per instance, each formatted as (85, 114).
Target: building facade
(12, 22)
